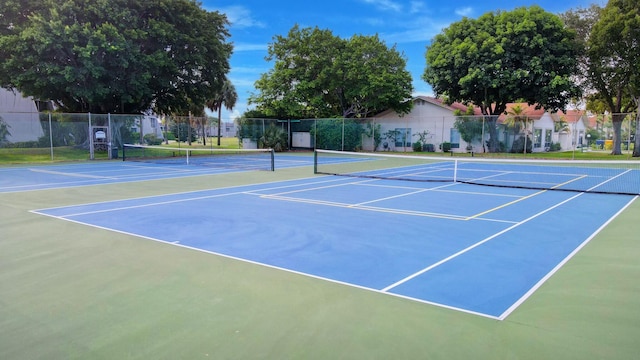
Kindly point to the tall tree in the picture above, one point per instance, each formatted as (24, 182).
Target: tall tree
(317, 74)
(613, 51)
(226, 96)
(524, 54)
(125, 56)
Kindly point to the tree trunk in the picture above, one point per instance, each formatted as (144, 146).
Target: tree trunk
(219, 122)
(617, 133)
(636, 140)
(494, 144)
(204, 131)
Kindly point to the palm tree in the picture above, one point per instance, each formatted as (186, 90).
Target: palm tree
(518, 122)
(226, 97)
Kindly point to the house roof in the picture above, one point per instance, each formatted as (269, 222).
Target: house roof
(527, 110)
(569, 116)
(455, 106)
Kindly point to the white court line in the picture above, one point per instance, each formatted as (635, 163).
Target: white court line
(400, 195)
(380, 209)
(71, 174)
(528, 294)
(469, 248)
(291, 271)
(140, 206)
(369, 208)
(439, 189)
(250, 192)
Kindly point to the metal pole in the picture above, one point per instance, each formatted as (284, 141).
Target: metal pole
(482, 139)
(342, 134)
(50, 137)
(109, 145)
(91, 154)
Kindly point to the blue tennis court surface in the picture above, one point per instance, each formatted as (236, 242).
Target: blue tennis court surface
(15, 179)
(476, 249)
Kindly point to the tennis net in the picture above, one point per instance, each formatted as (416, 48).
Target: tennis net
(245, 159)
(593, 176)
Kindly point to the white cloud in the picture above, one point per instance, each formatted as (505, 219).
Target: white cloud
(465, 11)
(416, 7)
(238, 47)
(373, 21)
(385, 5)
(247, 70)
(241, 82)
(421, 29)
(240, 17)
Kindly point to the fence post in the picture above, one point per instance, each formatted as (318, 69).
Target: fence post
(50, 136)
(109, 138)
(91, 154)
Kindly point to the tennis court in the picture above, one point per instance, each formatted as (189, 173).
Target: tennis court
(434, 246)
(16, 179)
(466, 247)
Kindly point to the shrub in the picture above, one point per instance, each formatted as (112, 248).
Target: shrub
(152, 139)
(273, 138)
(181, 132)
(555, 147)
(519, 143)
(329, 134)
(417, 146)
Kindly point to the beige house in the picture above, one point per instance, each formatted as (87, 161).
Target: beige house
(431, 121)
(21, 116)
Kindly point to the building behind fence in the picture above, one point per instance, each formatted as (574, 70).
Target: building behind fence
(430, 127)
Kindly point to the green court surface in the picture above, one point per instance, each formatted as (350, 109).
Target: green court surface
(68, 291)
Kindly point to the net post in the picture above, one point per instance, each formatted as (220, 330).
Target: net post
(455, 171)
(273, 159)
(124, 152)
(187, 151)
(315, 161)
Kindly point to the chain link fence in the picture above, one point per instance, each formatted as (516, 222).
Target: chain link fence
(101, 135)
(476, 134)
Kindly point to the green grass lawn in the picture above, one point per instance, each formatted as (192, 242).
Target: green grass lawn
(66, 153)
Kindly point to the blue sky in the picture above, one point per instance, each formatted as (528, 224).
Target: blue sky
(409, 24)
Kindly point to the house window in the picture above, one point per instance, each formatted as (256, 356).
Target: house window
(403, 137)
(547, 138)
(455, 138)
(580, 137)
(537, 138)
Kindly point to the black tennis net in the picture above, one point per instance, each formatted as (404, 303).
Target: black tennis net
(245, 159)
(593, 176)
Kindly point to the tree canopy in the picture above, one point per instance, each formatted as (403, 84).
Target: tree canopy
(317, 74)
(613, 61)
(113, 55)
(502, 56)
